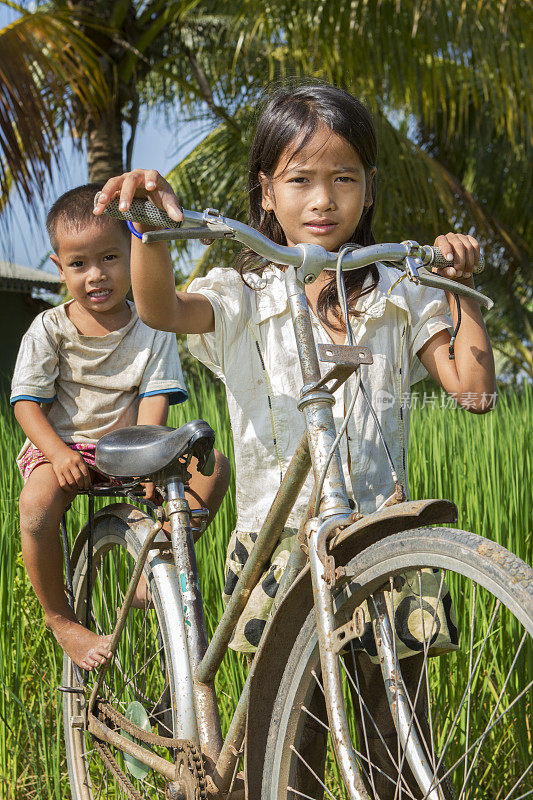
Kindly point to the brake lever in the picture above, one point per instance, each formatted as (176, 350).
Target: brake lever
(427, 278)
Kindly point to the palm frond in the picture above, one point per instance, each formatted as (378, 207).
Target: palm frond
(215, 174)
(426, 56)
(48, 69)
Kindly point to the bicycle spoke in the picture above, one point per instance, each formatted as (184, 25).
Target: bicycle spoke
(357, 752)
(380, 736)
(363, 723)
(470, 659)
(426, 641)
(99, 792)
(472, 748)
(527, 794)
(313, 773)
(485, 733)
(522, 776)
(470, 681)
(134, 674)
(132, 678)
(468, 711)
(143, 628)
(300, 794)
(412, 704)
(413, 715)
(98, 583)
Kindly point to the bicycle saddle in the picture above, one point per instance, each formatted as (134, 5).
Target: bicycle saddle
(142, 450)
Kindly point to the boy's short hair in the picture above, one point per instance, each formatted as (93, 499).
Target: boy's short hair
(74, 210)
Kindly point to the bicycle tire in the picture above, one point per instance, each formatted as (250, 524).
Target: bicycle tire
(140, 670)
(503, 588)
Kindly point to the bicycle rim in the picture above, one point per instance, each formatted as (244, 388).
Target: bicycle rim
(473, 706)
(138, 683)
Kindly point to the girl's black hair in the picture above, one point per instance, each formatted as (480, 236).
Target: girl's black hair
(295, 115)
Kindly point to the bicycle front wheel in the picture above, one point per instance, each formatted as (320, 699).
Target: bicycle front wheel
(470, 710)
(141, 681)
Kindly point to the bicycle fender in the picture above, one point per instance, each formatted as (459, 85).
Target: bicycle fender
(124, 512)
(285, 626)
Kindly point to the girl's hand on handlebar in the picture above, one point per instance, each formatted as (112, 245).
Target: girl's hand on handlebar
(462, 251)
(140, 183)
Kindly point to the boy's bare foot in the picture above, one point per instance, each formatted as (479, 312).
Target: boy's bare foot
(85, 648)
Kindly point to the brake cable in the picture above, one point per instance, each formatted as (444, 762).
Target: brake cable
(343, 302)
(451, 348)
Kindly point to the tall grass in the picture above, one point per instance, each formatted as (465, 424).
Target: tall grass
(483, 464)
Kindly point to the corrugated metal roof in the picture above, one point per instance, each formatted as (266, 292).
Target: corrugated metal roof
(16, 278)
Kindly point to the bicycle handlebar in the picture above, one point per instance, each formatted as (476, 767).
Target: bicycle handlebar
(309, 260)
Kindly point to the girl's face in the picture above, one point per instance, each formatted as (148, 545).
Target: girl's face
(319, 194)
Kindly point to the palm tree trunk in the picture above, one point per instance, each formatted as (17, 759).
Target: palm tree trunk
(104, 146)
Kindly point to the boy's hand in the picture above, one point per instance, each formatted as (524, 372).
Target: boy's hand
(461, 251)
(71, 470)
(140, 183)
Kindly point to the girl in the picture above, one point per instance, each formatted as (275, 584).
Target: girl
(311, 179)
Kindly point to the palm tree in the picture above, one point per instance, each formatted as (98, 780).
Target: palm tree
(140, 52)
(48, 72)
(447, 87)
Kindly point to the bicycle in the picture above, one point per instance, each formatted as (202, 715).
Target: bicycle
(303, 716)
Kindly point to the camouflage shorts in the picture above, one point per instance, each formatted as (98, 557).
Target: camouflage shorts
(414, 602)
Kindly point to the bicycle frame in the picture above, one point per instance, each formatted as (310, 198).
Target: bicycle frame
(197, 706)
(196, 702)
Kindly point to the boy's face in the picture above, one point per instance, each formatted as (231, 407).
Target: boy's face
(94, 262)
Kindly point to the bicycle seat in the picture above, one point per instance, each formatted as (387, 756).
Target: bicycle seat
(142, 450)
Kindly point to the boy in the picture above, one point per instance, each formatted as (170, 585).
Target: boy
(85, 368)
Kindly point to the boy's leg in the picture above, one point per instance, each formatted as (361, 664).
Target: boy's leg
(207, 491)
(42, 503)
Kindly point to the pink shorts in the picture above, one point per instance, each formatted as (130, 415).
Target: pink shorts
(32, 457)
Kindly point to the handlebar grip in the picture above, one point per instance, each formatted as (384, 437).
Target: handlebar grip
(440, 262)
(143, 211)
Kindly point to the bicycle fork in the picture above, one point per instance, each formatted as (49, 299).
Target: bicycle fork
(316, 403)
(209, 733)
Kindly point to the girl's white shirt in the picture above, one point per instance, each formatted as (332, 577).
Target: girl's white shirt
(253, 351)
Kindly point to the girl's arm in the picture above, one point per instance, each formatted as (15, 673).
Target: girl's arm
(152, 277)
(470, 377)
(70, 468)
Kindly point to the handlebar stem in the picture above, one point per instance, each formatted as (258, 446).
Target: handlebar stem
(318, 412)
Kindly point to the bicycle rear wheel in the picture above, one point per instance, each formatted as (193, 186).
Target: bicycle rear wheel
(141, 680)
(472, 708)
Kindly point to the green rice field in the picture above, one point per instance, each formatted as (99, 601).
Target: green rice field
(485, 464)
